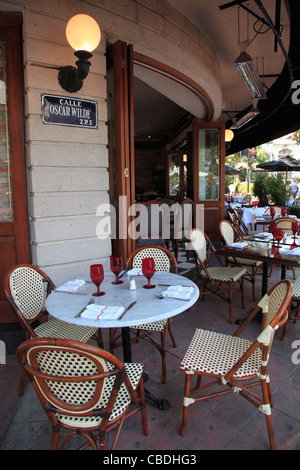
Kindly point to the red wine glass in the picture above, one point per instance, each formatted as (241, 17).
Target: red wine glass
(148, 269)
(97, 276)
(283, 212)
(272, 230)
(116, 266)
(279, 234)
(272, 212)
(295, 229)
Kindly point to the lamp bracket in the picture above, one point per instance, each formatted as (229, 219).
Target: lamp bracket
(71, 78)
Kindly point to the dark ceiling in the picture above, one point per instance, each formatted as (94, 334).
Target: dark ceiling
(159, 118)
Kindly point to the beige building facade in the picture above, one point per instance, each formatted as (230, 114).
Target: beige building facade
(68, 167)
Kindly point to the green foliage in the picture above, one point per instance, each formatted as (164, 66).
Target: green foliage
(260, 188)
(277, 189)
(270, 187)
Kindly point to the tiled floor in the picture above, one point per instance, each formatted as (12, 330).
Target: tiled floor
(225, 423)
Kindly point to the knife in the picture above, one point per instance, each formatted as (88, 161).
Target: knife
(127, 269)
(128, 308)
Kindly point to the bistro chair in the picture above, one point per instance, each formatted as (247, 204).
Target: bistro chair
(295, 306)
(234, 364)
(26, 288)
(83, 389)
(166, 262)
(214, 278)
(286, 224)
(278, 210)
(230, 235)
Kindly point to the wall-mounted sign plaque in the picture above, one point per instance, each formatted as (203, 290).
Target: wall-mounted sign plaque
(66, 111)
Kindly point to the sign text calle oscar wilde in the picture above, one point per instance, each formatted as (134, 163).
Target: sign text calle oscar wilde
(66, 111)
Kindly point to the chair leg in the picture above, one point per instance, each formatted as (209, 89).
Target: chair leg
(230, 302)
(187, 386)
(266, 401)
(22, 382)
(171, 333)
(253, 282)
(163, 356)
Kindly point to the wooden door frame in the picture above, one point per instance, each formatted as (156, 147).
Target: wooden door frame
(121, 55)
(210, 205)
(15, 234)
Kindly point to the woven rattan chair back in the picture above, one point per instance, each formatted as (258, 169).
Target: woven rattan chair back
(200, 244)
(277, 210)
(227, 231)
(80, 386)
(285, 223)
(163, 258)
(27, 289)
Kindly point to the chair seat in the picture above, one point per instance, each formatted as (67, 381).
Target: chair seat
(134, 372)
(58, 329)
(248, 262)
(155, 326)
(216, 353)
(221, 273)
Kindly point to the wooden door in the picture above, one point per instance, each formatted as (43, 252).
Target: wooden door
(14, 232)
(209, 174)
(121, 142)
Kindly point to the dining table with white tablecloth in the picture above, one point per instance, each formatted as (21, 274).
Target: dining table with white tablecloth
(251, 215)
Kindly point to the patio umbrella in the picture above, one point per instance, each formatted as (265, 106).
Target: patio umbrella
(231, 171)
(284, 164)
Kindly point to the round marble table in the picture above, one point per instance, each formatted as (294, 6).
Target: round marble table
(147, 309)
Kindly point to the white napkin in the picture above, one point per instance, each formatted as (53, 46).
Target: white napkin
(294, 252)
(263, 235)
(102, 312)
(178, 292)
(238, 245)
(135, 272)
(71, 286)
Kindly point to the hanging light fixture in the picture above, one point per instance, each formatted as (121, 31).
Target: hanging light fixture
(253, 111)
(248, 72)
(83, 35)
(229, 135)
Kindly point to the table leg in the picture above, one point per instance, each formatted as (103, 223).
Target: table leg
(126, 344)
(150, 398)
(264, 286)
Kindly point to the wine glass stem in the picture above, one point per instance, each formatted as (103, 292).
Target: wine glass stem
(98, 289)
(149, 282)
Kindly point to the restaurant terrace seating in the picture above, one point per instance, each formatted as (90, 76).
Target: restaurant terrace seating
(166, 262)
(234, 364)
(295, 306)
(83, 389)
(26, 288)
(286, 224)
(230, 235)
(213, 278)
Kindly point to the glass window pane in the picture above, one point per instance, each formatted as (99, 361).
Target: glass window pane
(209, 154)
(174, 174)
(6, 208)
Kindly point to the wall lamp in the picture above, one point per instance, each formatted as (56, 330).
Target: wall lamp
(83, 35)
(229, 135)
(253, 111)
(249, 74)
